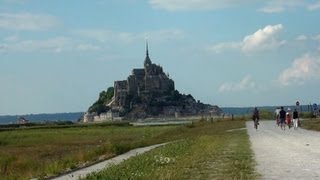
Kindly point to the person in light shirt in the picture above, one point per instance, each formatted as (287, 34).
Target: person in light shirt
(295, 119)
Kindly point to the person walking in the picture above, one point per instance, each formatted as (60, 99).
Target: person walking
(277, 115)
(295, 117)
(282, 117)
(288, 120)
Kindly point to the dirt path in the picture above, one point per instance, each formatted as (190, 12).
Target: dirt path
(81, 173)
(289, 154)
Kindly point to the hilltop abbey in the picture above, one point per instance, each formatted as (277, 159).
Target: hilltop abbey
(147, 92)
(150, 79)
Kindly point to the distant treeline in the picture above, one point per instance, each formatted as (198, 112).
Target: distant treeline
(248, 110)
(74, 116)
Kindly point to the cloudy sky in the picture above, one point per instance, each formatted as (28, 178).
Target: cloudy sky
(56, 56)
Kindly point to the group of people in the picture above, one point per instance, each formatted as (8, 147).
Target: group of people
(284, 118)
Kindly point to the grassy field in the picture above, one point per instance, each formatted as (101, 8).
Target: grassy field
(311, 124)
(204, 150)
(38, 152)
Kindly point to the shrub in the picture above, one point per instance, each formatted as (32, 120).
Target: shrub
(307, 115)
(120, 148)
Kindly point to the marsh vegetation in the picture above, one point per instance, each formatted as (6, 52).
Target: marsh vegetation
(201, 150)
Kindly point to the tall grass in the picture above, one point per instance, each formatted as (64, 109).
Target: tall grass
(311, 124)
(205, 151)
(27, 153)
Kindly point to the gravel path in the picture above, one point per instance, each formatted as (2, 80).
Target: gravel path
(289, 154)
(100, 166)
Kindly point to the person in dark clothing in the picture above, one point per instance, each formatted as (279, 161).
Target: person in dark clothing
(255, 114)
(295, 119)
(282, 118)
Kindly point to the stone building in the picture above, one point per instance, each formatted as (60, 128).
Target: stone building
(87, 117)
(149, 79)
(148, 92)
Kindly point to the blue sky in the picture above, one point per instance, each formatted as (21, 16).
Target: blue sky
(56, 56)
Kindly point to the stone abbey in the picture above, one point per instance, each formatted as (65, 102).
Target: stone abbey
(150, 79)
(148, 92)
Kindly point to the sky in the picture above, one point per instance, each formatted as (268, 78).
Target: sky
(57, 56)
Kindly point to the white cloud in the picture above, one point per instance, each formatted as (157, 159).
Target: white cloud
(314, 6)
(219, 48)
(262, 40)
(103, 35)
(245, 84)
(316, 37)
(62, 44)
(11, 39)
(272, 6)
(53, 45)
(97, 34)
(303, 69)
(184, 5)
(27, 21)
(87, 47)
(302, 37)
(272, 9)
(278, 6)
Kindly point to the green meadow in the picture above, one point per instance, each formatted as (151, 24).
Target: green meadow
(203, 150)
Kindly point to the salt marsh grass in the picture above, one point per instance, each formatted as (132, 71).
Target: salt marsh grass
(44, 152)
(205, 151)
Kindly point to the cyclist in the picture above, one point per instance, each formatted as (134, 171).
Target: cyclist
(255, 115)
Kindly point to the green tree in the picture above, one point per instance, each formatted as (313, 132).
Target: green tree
(100, 105)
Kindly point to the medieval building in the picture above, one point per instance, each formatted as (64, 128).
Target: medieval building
(147, 92)
(150, 79)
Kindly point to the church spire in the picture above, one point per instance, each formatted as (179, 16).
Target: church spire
(147, 60)
(147, 49)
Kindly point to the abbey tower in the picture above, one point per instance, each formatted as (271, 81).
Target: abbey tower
(150, 79)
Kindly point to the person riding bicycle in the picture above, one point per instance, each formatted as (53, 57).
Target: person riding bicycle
(255, 114)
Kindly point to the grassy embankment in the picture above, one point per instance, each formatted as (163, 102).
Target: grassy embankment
(205, 150)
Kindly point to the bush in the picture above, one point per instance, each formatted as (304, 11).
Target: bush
(307, 115)
(120, 148)
(266, 114)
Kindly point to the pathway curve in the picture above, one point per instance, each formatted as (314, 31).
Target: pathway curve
(81, 173)
(289, 154)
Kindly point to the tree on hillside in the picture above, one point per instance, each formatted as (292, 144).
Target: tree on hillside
(100, 105)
